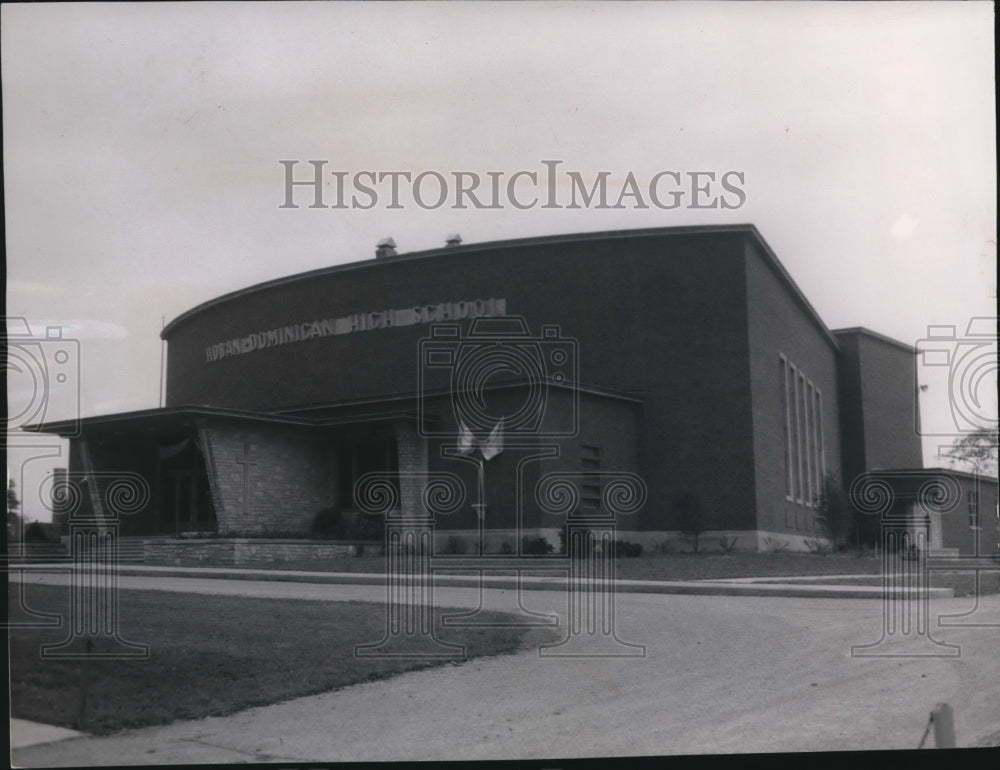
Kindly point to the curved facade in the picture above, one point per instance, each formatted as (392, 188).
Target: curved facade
(309, 339)
(686, 357)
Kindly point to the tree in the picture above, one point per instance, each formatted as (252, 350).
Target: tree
(835, 513)
(12, 502)
(976, 450)
(13, 519)
(692, 518)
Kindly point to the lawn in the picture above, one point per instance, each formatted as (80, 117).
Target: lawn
(713, 566)
(212, 655)
(962, 583)
(682, 566)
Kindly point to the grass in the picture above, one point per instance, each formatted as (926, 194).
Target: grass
(662, 566)
(963, 583)
(211, 656)
(713, 566)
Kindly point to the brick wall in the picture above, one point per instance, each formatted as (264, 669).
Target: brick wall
(289, 478)
(412, 458)
(957, 525)
(240, 551)
(779, 325)
(878, 388)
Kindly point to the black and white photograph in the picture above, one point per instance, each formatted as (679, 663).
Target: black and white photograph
(532, 382)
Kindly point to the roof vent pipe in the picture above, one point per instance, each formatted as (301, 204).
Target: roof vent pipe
(385, 248)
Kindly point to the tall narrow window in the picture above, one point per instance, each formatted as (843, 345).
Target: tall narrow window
(819, 453)
(786, 406)
(590, 460)
(798, 435)
(802, 413)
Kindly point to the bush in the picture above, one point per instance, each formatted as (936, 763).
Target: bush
(35, 533)
(910, 552)
(454, 545)
(331, 524)
(326, 522)
(627, 549)
(818, 547)
(536, 546)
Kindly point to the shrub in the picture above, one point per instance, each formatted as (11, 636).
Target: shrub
(835, 514)
(910, 552)
(536, 546)
(627, 549)
(726, 545)
(454, 545)
(35, 533)
(331, 524)
(692, 517)
(818, 547)
(326, 523)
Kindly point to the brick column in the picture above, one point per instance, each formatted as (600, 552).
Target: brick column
(411, 451)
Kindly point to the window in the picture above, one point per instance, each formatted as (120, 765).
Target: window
(973, 503)
(590, 492)
(355, 459)
(802, 412)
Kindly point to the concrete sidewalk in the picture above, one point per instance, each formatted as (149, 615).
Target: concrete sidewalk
(24, 733)
(811, 586)
(299, 731)
(725, 675)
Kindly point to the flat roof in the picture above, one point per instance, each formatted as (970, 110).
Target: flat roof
(862, 331)
(161, 419)
(746, 229)
(166, 418)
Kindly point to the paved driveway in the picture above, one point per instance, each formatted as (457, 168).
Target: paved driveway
(721, 674)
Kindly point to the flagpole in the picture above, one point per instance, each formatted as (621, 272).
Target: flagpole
(488, 449)
(482, 507)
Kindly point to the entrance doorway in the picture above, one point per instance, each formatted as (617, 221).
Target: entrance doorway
(185, 500)
(355, 459)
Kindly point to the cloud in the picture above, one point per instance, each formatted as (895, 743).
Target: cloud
(904, 226)
(74, 329)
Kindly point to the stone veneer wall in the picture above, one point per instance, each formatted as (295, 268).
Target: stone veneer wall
(245, 551)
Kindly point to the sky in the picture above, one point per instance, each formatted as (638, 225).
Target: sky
(142, 149)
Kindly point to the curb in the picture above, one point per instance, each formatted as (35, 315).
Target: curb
(696, 588)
